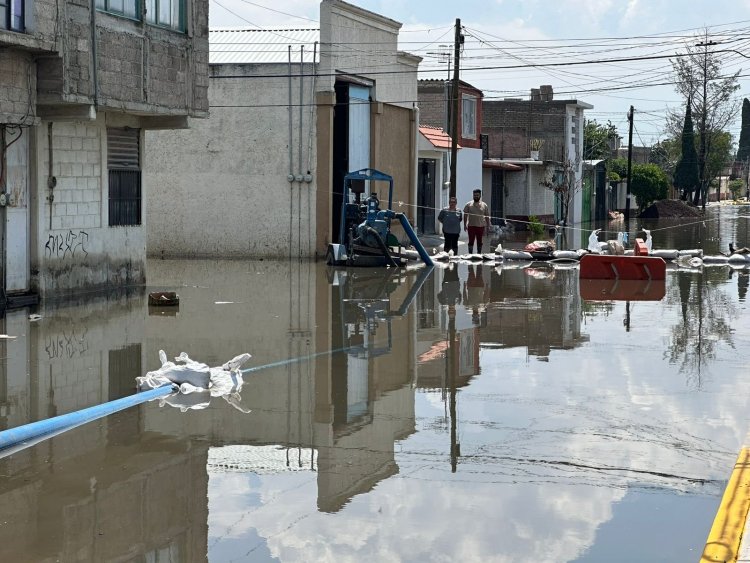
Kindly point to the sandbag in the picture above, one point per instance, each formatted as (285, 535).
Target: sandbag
(665, 254)
(615, 248)
(739, 259)
(566, 254)
(715, 259)
(516, 255)
(695, 252)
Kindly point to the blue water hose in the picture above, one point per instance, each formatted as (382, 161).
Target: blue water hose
(43, 429)
(414, 239)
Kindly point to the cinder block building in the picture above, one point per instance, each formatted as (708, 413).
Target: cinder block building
(80, 82)
(529, 142)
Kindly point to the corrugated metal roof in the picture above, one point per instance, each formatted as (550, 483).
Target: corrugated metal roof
(257, 46)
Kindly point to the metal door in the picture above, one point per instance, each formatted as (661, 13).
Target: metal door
(16, 213)
(359, 128)
(497, 197)
(426, 196)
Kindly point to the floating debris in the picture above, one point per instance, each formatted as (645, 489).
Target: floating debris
(163, 298)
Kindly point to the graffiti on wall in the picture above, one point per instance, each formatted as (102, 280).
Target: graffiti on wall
(66, 345)
(66, 246)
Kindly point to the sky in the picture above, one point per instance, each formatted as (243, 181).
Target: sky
(533, 34)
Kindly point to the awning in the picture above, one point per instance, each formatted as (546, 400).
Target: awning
(500, 165)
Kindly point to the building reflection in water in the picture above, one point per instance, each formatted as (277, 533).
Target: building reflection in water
(154, 483)
(108, 490)
(481, 306)
(337, 415)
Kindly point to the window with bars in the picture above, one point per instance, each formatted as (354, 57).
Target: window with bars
(12, 15)
(124, 167)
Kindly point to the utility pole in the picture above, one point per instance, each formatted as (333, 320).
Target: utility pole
(630, 164)
(454, 106)
(704, 110)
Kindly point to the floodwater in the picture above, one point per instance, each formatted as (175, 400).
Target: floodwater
(478, 413)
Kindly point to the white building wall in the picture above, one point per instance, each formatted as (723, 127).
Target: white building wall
(349, 28)
(73, 248)
(525, 195)
(468, 174)
(574, 148)
(223, 188)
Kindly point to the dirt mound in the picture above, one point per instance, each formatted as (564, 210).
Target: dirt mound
(670, 208)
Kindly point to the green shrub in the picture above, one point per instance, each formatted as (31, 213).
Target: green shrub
(736, 187)
(535, 225)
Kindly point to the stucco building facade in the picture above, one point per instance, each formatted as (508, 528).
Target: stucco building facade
(78, 88)
(292, 111)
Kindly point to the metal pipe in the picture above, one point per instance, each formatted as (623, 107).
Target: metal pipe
(309, 146)
(290, 177)
(301, 176)
(95, 72)
(43, 429)
(50, 177)
(312, 109)
(414, 239)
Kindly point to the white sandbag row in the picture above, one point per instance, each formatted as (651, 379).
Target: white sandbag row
(516, 255)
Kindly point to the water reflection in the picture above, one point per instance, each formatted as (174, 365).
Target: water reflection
(401, 410)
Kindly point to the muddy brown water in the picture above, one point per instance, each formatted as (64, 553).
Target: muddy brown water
(478, 413)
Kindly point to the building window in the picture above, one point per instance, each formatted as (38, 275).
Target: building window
(124, 167)
(468, 117)
(166, 13)
(128, 8)
(12, 15)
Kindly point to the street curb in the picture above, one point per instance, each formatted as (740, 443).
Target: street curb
(724, 539)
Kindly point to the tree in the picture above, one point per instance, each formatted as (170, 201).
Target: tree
(648, 184)
(699, 79)
(617, 169)
(661, 156)
(686, 174)
(598, 139)
(562, 182)
(743, 151)
(721, 155)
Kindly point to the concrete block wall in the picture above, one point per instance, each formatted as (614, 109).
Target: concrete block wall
(17, 87)
(78, 250)
(77, 150)
(432, 103)
(510, 125)
(139, 67)
(167, 68)
(120, 67)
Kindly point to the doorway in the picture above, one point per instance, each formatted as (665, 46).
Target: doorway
(497, 197)
(351, 142)
(426, 196)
